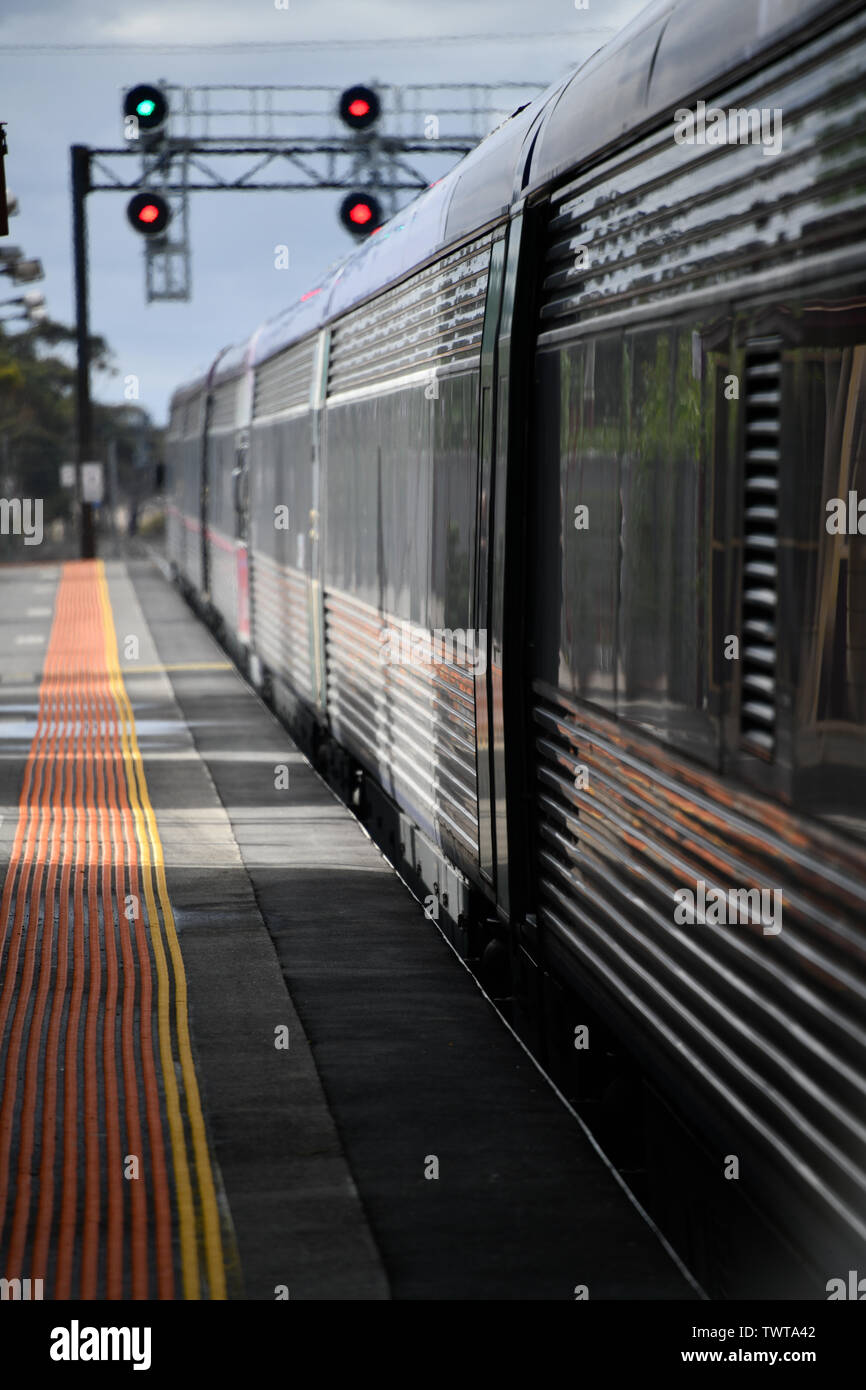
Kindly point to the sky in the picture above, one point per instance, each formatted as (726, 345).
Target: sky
(65, 64)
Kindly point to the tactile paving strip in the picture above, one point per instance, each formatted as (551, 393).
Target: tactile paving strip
(106, 1184)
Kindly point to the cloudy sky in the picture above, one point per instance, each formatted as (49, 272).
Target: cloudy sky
(64, 65)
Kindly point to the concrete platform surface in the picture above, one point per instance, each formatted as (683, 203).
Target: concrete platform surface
(373, 1129)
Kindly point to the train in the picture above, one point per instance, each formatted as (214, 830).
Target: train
(541, 520)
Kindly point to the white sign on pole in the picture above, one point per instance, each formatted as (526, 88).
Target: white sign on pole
(67, 475)
(92, 484)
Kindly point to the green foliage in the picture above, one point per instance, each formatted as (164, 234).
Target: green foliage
(37, 416)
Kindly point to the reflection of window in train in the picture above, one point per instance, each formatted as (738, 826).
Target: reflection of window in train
(660, 490)
(627, 412)
(837, 672)
(849, 697)
(831, 392)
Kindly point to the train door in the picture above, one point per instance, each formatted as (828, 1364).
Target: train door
(316, 552)
(241, 497)
(204, 555)
(485, 579)
(512, 376)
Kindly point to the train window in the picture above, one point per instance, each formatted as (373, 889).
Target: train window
(378, 511)
(352, 504)
(404, 490)
(826, 446)
(579, 422)
(455, 446)
(624, 604)
(282, 479)
(661, 635)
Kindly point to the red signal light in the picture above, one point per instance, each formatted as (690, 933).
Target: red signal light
(360, 212)
(148, 213)
(359, 107)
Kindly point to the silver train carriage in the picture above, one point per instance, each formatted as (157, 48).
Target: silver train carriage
(547, 510)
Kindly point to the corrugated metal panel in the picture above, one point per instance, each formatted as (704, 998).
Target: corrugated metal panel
(176, 419)
(224, 576)
(284, 380)
(230, 362)
(664, 218)
(412, 725)
(193, 419)
(768, 1027)
(224, 408)
(432, 319)
(281, 617)
(409, 238)
(173, 535)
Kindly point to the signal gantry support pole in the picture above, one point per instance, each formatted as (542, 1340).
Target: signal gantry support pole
(84, 413)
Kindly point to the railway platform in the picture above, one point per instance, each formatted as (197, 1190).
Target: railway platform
(238, 1061)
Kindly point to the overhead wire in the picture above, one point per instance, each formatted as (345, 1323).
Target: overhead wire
(268, 46)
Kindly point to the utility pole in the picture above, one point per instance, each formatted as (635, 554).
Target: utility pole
(84, 412)
(4, 211)
(112, 497)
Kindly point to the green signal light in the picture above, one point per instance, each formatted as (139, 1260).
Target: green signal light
(146, 107)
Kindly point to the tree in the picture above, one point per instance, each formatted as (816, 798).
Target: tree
(37, 417)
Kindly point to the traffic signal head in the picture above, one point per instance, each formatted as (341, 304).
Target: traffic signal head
(148, 213)
(147, 107)
(361, 213)
(359, 107)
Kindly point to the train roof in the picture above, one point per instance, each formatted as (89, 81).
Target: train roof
(672, 51)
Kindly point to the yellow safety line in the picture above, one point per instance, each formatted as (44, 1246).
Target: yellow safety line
(207, 1192)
